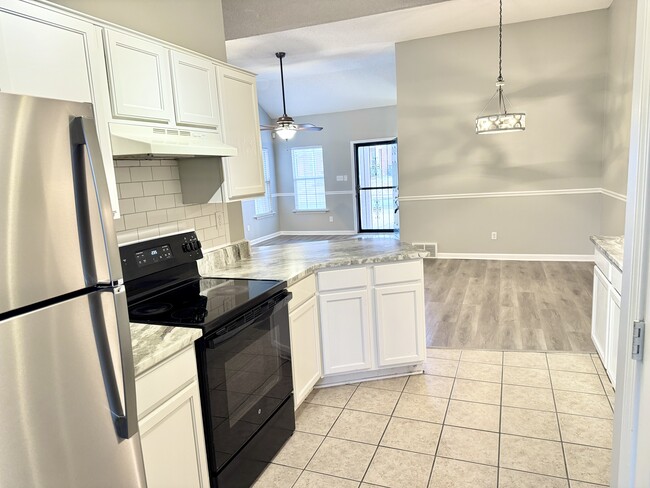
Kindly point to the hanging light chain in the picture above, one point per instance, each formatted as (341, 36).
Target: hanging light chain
(500, 78)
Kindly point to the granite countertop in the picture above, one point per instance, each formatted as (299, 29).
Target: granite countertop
(293, 262)
(152, 344)
(611, 247)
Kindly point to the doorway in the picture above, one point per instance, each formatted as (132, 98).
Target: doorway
(375, 166)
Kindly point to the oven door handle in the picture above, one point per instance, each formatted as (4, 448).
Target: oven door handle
(274, 304)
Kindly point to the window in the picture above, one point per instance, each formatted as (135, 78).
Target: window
(264, 205)
(308, 178)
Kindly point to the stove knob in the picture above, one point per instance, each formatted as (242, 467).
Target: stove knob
(187, 247)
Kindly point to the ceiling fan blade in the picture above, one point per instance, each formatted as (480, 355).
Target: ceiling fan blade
(268, 127)
(307, 127)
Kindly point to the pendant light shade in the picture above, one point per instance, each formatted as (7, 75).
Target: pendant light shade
(502, 121)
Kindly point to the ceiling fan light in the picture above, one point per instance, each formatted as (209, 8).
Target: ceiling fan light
(286, 133)
(500, 123)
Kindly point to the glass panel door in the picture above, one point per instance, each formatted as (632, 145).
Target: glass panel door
(376, 168)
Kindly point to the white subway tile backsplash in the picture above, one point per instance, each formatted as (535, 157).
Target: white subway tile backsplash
(202, 222)
(165, 201)
(175, 214)
(151, 204)
(168, 228)
(133, 221)
(157, 217)
(153, 188)
(130, 190)
(193, 211)
(141, 174)
(172, 186)
(122, 175)
(126, 206)
(162, 173)
(144, 204)
(150, 162)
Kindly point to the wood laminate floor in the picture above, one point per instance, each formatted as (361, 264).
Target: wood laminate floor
(508, 305)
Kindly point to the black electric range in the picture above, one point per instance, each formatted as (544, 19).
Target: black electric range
(243, 356)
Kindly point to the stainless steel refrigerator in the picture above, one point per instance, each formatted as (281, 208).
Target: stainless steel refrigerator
(67, 388)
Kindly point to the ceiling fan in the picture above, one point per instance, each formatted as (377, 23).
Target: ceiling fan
(285, 127)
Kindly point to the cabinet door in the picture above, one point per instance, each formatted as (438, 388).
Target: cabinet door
(599, 313)
(305, 349)
(173, 445)
(42, 59)
(614, 320)
(399, 312)
(244, 173)
(345, 331)
(195, 90)
(139, 78)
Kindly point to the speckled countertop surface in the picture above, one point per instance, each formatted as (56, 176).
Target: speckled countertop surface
(611, 247)
(293, 262)
(152, 344)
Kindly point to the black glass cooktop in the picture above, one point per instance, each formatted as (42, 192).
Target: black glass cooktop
(205, 303)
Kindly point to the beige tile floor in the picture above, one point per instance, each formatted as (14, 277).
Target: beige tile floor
(475, 419)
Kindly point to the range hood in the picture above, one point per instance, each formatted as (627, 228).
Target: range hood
(149, 142)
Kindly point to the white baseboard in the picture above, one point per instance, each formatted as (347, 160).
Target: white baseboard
(518, 257)
(318, 232)
(264, 238)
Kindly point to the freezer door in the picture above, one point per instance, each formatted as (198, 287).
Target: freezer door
(57, 231)
(63, 395)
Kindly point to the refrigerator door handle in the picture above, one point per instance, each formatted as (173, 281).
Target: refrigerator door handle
(119, 390)
(106, 268)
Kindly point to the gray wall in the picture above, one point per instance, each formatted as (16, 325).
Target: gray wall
(339, 129)
(192, 24)
(555, 70)
(616, 143)
(256, 228)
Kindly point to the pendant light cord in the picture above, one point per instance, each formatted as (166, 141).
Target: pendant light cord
(500, 78)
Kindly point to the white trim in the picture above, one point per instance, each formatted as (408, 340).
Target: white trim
(318, 232)
(310, 211)
(613, 194)
(518, 257)
(501, 194)
(252, 242)
(266, 215)
(282, 195)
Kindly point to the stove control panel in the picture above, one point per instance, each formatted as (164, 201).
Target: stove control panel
(158, 254)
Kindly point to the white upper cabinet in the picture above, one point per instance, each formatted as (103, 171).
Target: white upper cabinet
(40, 59)
(195, 91)
(139, 78)
(243, 174)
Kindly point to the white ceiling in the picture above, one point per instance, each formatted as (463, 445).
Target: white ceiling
(350, 64)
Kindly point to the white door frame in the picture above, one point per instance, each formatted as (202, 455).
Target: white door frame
(631, 432)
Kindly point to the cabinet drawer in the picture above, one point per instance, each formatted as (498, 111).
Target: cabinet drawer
(398, 272)
(302, 291)
(160, 383)
(602, 263)
(616, 278)
(342, 279)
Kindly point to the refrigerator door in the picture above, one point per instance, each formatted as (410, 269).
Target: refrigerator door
(57, 230)
(62, 390)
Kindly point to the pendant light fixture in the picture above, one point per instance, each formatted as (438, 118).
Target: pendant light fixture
(285, 127)
(503, 121)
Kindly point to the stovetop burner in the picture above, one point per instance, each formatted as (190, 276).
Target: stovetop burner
(199, 302)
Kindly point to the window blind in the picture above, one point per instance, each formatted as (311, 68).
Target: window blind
(264, 205)
(308, 178)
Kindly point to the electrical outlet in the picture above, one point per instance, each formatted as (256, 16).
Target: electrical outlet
(331, 219)
(494, 236)
(248, 228)
(345, 177)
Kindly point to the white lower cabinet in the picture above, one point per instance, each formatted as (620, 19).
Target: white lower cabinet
(171, 426)
(399, 313)
(345, 331)
(305, 349)
(606, 313)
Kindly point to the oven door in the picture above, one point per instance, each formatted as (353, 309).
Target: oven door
(247, 376)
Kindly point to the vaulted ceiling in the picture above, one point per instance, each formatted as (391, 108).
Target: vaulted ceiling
(341, 53)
